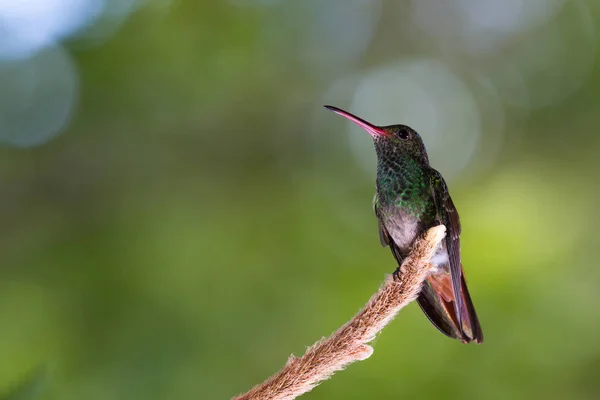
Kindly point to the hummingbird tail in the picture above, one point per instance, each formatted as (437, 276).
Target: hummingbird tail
(437, 302)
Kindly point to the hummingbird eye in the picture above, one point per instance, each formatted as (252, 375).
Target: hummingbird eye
(403, 133)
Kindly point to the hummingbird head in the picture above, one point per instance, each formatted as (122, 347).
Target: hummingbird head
(392, 141)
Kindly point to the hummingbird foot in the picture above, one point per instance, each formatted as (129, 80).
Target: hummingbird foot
(396, 274)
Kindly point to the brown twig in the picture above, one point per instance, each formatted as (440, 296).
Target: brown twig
(349, 343)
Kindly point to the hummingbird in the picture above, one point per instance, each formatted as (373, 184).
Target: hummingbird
(412, 197)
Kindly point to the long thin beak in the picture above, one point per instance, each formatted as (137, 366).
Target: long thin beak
(367, 126)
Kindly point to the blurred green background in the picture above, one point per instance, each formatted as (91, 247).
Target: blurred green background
(180, 214)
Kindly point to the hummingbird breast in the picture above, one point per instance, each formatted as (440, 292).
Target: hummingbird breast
(403, 226)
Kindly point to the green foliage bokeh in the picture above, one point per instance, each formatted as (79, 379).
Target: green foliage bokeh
(202, 218)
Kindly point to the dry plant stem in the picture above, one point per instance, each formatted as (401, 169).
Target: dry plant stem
(349, 343)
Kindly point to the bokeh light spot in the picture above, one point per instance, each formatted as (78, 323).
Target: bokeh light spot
(39, 95)
(429, 97)
(29, 26)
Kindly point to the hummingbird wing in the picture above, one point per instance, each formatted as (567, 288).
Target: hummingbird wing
(463, 313)
(447, 215)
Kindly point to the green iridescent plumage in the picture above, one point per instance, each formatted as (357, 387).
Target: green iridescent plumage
(402, 182)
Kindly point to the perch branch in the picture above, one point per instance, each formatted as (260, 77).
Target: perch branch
(349, 343)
